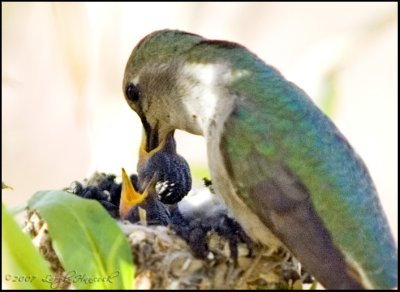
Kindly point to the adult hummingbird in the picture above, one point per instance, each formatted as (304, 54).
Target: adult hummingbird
(281, 166)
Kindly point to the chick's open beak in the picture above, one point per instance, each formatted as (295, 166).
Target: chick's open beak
(129, 196)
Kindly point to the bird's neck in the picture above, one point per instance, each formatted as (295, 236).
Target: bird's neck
(208, 97)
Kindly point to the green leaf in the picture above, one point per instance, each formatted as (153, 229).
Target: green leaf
(330, 95)
(90, 245)
(22, 265)
(198, 172)
(297, 285)
(314, 285)
(4, 186)
(17, 209)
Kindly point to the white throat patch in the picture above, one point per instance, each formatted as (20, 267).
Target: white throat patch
(205, 96)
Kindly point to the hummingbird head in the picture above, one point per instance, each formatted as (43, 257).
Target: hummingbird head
(154, 84)
(175, 80)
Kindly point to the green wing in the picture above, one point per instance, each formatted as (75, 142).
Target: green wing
(290, 164)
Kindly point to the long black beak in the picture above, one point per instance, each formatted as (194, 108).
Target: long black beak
(152, 136)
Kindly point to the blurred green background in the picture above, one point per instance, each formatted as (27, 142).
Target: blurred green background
(63, 111)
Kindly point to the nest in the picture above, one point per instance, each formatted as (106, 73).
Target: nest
(163, 260)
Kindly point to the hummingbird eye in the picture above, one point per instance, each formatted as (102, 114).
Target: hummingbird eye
(132, 92)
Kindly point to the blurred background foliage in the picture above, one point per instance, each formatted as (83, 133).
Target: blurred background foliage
(63, 111)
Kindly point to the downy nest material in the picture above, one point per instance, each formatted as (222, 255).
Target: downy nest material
(164, 260)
